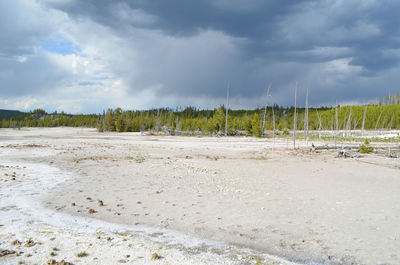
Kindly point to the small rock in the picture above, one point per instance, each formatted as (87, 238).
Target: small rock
(15, 242)
(6, 252)
(91, 211)
(29, 243)
(27, 255)
(88, 198)
(127, 256)
(73, 204)
(155, 256)
(100, 203)
(53, 262)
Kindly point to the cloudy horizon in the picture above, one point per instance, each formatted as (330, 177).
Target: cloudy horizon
(87, 56)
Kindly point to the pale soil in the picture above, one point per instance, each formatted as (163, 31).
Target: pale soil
(175, 194)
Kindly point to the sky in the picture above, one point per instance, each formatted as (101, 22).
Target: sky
(85, 56)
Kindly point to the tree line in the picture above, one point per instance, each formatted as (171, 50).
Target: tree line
(210, 122)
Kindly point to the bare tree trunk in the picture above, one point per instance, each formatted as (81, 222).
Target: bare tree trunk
(265, 111)
(355, 124)
(319, 125)
(377, 122)
(295, 117)
(348, 124)
(158, 121)
(390, 124)
(383, 123)
(391, 138)
(344, 125)
(337, 124)
(273, 121)
(226, 109)
(306, 120)
(363, 122)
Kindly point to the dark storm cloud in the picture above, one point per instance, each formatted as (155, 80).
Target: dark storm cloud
(181, 51)
(242, 18)
(269, 26)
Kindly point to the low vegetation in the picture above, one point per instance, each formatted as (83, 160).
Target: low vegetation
(207, 122)
(82, 254)
(366, 149)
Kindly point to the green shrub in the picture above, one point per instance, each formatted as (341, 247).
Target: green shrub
(286, 131)
(366, 141)
(364, 149)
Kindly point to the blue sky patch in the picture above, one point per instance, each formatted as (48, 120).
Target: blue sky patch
(59, 44)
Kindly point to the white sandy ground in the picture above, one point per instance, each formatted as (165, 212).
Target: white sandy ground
(193, 200)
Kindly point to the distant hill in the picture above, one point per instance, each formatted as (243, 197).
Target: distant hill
(6, 114)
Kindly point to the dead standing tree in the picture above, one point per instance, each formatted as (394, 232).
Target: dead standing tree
(348, 123)
(226, 110)
(319, 124)
(337, 124)
(265, 111)
(363, 122)
(306, 120)
(273, 120)
(377, 122)
(295, 116)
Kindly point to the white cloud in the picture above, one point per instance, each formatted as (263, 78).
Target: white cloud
(27, 104)
(22, 59)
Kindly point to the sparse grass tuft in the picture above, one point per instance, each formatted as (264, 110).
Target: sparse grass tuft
(140, 159)
(82, 254)
(259, 158)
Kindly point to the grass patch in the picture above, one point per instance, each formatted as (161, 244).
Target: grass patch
(47, 232)
(140, 159)
(259, 158)
(82, 254)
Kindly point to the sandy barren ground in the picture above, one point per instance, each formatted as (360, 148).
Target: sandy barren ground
(192, 200)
